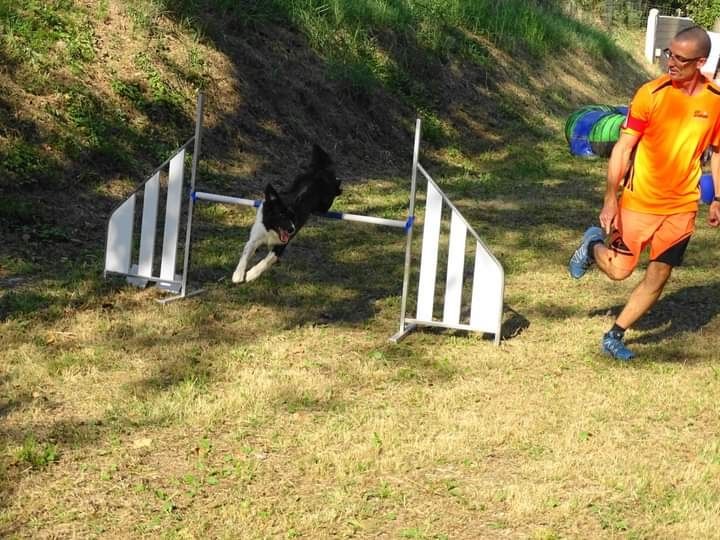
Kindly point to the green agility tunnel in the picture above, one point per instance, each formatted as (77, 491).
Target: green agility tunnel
(605, 133)
(572, 120)
(593, 130)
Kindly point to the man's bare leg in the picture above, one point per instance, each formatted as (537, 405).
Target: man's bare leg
(604, 260)
(645, 294)
(642, 298)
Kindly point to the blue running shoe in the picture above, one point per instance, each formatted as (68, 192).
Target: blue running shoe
(582, 259)
(613, 345)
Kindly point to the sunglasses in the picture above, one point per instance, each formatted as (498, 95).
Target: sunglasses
(679, 60)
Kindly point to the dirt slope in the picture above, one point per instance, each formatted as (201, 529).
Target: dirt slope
(95, 132)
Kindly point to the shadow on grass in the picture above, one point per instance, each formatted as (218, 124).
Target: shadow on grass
(334, 273)
(8, 405)
(514, 325)
(687, 310)
(48, 298)
(42, 435)
(22, 302)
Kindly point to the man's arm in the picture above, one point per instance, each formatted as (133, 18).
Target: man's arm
(617, 169)
(714, 212)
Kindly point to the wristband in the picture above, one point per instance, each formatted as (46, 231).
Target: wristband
(716, 199)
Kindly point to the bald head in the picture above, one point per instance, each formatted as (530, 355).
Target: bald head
(698, 38)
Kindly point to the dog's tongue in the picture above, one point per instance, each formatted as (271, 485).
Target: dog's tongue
(284, 236)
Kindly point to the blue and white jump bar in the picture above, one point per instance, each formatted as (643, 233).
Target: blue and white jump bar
(213, 197)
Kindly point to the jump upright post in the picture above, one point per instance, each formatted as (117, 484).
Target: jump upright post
(488, 279)
(480, 311)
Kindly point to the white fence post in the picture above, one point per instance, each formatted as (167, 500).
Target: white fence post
(650, 34)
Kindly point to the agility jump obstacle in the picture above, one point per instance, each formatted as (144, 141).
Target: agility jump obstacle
(132, 254)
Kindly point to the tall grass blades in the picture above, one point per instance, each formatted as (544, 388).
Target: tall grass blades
(353, 34)
(42, 35)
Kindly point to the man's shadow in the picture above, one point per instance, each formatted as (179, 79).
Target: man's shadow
(686, 310)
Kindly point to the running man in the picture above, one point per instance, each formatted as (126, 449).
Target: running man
(672, 120)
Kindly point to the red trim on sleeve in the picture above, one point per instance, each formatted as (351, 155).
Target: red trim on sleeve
(635, 124)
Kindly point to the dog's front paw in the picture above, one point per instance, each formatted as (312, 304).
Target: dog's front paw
(253, 274)
(238, 277)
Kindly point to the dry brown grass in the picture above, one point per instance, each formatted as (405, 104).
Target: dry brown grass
(278, 409)
(289, 416)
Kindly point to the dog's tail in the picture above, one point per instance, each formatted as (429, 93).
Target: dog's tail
(320, 159)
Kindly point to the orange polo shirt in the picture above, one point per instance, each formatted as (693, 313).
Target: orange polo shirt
(675, 129)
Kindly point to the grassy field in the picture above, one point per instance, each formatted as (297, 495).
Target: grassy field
(278, 409)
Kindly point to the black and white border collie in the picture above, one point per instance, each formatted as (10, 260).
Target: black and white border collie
(282, 214)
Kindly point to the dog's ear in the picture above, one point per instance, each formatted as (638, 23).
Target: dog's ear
(270, 193)
(320, 158)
